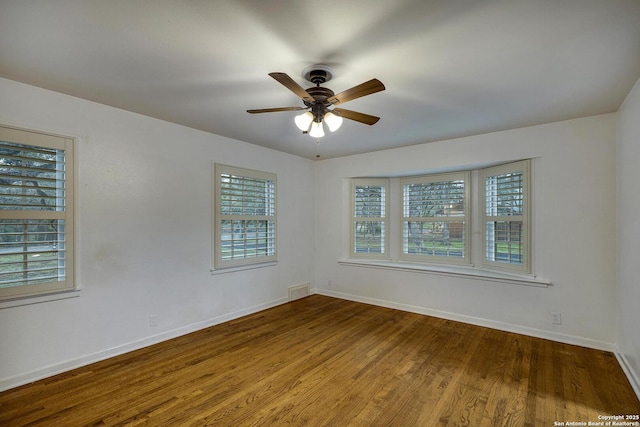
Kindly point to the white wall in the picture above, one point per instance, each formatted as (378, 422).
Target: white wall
(143, 240)
(144, 247)
(574, 232)
(628, 173)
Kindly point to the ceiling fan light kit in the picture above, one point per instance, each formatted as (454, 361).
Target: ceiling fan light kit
(304, 120)
(333, 121)
(318, 100)
(316, 130)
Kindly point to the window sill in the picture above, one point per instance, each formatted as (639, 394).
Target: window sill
(224, 270)
(452, 270)
(37, 299)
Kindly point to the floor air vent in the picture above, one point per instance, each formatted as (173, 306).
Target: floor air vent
(299, 291)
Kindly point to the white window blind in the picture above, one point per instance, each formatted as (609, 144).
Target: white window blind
(245, 213)
(506, 213)
(369, 217)
(36, 213)
(435, 218)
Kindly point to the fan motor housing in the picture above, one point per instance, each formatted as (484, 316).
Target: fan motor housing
(320, 94)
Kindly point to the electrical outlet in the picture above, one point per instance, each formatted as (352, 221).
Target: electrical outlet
(153, 320)
(556, 318)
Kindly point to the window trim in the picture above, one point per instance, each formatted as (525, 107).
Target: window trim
(466, 272)
(381, 182)
(27, 294)
(218, 263)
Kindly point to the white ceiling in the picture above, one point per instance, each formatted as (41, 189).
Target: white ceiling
(451, 68)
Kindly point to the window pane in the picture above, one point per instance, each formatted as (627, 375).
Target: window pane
(242, 239)
(434, 238)
(368, 237)
(434, 199)
(504, 241)
(242, 195)
(369, 201)
(31, 252)
(505, 194)
(435, 217)
(31, 178)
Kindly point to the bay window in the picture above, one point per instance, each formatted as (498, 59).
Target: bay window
(476, 219)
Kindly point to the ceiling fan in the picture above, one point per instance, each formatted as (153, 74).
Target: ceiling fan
(318, 101)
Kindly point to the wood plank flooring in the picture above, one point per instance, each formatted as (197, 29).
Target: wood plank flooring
(323, 361)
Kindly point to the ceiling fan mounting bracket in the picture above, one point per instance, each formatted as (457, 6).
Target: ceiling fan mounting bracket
(317, 74)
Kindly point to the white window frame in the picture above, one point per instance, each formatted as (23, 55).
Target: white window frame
(66, 274)
(524, 168)
(466, 218)
(218, 217)
(382, 220)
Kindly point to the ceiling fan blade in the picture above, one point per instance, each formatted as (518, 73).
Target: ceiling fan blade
(363, 89)
(358, 117)
(294, 87)
(275, 110)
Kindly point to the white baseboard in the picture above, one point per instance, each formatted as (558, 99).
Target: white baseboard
(633, 377)
(478, 321)
(16, 381)
(48, 371)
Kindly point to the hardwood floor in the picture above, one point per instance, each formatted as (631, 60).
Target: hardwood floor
(322, 361)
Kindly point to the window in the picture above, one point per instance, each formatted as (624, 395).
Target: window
(369, 218)
(435, 218)
(36, 213)
(505, 221)
(432, 220)
(245, 216)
